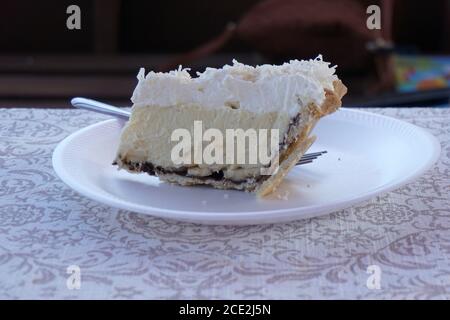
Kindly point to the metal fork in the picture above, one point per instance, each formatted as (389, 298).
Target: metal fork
(310, 157)
(100, 107)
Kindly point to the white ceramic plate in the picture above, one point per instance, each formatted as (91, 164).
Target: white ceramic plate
(367, 154)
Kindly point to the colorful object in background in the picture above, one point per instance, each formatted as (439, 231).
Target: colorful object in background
(415, 73)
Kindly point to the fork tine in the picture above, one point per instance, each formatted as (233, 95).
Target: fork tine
(312, 155)
(309, 157)
(303, 162)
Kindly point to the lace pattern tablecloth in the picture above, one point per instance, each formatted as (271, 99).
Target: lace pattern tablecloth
(45, 227)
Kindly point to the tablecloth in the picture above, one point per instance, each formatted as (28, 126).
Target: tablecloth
(57, 244)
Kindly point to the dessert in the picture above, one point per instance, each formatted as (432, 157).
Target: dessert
(284, 101)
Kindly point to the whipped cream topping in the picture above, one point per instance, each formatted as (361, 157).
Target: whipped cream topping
(265, 88)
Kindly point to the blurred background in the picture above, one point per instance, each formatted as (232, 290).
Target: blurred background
(44, 64)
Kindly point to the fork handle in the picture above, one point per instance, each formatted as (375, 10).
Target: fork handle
(100, 107)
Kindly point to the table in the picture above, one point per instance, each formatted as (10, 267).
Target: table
(396, 245)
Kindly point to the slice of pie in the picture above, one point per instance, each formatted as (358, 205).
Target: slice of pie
(283, 102)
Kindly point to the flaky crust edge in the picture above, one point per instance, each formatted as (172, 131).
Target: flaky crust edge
(297, 149)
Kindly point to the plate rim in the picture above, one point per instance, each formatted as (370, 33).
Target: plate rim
(272, 215)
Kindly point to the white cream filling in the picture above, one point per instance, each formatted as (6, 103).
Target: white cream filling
(266, 88)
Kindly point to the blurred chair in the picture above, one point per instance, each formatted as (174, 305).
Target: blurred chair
(286, 29)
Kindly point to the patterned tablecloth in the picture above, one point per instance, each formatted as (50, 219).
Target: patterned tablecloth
(396, 245)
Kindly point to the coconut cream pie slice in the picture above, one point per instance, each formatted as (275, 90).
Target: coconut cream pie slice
(238, 127)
